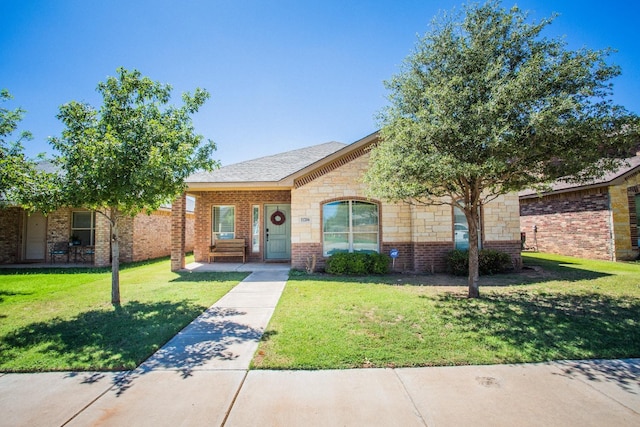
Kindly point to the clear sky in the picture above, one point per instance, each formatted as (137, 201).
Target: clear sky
(283, 74)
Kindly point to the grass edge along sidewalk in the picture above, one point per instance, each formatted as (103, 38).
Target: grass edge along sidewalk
(62, 319)
(557, 308)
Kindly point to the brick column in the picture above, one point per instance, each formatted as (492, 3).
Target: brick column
(178, 237)
(102, 256)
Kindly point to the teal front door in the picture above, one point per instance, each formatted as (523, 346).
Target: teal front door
(277, 230)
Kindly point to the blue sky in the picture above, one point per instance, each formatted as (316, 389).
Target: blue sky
(282, 74)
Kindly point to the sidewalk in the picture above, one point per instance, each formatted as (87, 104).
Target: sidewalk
(200, 378)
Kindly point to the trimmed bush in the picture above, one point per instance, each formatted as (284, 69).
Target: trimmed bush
(458, 262)
(490, 262)
(494, 262)
(357, 263)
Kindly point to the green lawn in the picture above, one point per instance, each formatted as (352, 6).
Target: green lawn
(62, 319)
(557, 308)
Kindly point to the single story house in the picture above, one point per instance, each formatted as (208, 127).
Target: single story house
(309, 203)
(31, 237)
(597, 220)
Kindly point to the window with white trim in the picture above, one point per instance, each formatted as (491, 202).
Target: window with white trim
(255, 229)
(350, 226)
(223, 223)
(83, 227)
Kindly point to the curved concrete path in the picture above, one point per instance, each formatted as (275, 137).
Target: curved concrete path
(200, 378)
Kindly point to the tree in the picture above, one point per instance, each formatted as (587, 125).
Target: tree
(485, 106)
(15, 168)
(132, 154)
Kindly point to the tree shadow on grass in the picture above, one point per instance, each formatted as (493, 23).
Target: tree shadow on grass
(115, 339)
(549, 326)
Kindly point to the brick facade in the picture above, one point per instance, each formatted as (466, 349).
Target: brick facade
(598, 222)
(10, 235)
(575, 224)
(143, 237)
(243, 201)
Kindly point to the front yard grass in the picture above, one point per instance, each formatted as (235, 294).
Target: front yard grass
(62, 319)
(557, 308)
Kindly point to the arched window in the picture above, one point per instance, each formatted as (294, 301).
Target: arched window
(350, 226)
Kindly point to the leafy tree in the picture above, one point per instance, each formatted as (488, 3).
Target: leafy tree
(132, 154)
(15, 168)
(485, 106)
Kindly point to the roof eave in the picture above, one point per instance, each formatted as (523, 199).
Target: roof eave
(285, 184)
(620, 179)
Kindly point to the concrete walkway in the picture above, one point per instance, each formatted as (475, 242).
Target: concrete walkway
(200, 378)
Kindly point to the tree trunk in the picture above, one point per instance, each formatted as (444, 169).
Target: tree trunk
(115, 259)
(474, 261)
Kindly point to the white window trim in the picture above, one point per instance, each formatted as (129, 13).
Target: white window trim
(216, 233)
(351, 233)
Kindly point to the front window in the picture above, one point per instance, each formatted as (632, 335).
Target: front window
(350, 226)
(223, 223)
(461, 230)
(83, 228)
(255, 239)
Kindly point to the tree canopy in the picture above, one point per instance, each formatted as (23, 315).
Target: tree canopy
(130, 155)
(15, 168)
(487, 105)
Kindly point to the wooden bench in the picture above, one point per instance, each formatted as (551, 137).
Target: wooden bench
(228, 247)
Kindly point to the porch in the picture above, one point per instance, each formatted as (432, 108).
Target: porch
(237, 267)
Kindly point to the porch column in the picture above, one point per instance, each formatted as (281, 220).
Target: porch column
(102, 248)
(178, 238)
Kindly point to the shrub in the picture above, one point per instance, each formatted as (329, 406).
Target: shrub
(494, 262)
(490, 262)
(357, 263)
(458, 262)
(379, 263)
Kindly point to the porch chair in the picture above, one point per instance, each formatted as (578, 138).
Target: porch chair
(59, 249)
(88, 252)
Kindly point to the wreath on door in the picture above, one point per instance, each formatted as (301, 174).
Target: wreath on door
(278, 218)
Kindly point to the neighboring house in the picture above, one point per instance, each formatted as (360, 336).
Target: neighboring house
(598, 220)
(29, 238)
(312, 202)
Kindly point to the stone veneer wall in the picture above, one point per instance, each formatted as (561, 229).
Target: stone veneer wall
(243, 202)
(574, 224)
(623, 217)
(422, 234)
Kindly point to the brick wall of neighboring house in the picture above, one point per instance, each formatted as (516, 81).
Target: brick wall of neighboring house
(574, 224)
(243, 202)
(151, 235)
(11, 223)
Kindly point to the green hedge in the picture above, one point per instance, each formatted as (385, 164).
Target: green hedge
(358, 263)
(490, 262)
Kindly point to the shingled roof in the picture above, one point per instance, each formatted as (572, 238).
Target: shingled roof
(268, 169)
(631, 166)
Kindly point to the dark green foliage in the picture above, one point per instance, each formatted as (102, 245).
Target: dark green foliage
(491, 262)
(458, 262)
(379, 263)
(357, 263)
(494, 262)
